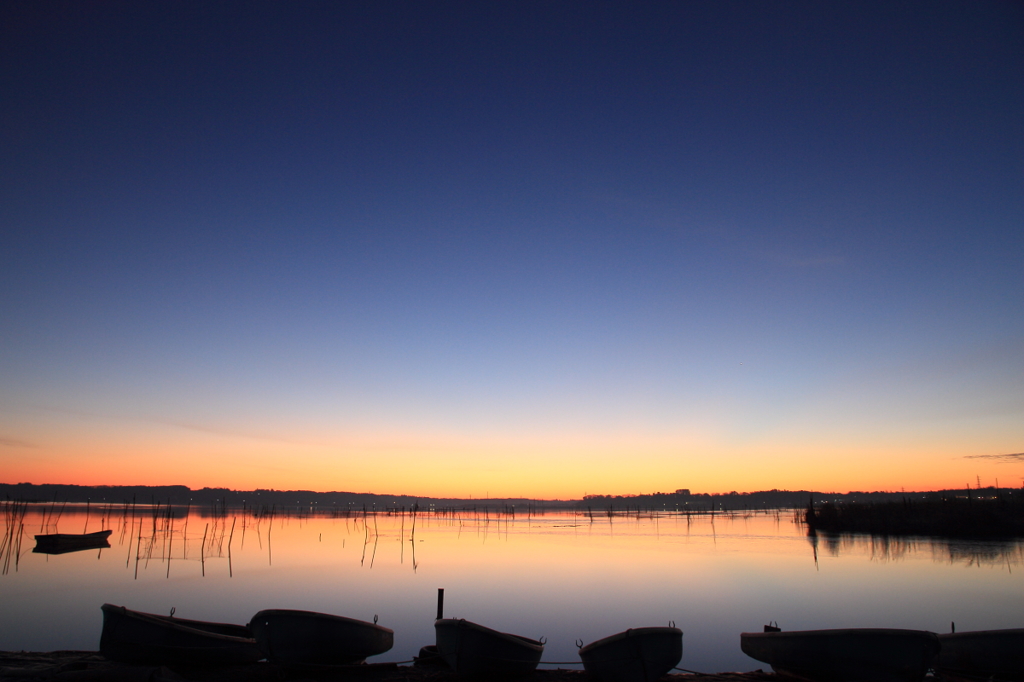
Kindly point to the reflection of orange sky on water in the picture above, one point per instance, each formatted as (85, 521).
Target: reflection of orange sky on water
(557, 575)
(555, 467)
(473, 543)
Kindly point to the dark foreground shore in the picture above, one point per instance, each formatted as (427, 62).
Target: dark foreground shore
(90, 666)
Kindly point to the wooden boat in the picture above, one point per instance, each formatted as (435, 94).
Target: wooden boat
(853, 655)
(133, 637)
(428, 656)
(307, 638)
(475, 651)
(984, 654)
(636, 655)
(62, 543)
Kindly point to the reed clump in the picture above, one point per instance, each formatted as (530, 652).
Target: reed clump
(950, 517)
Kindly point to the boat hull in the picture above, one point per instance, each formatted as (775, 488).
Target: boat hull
(62, 543)
(133, 637)
(294, 637)
(472, 650)
(636, 655)
(853, 655)
(986, 654)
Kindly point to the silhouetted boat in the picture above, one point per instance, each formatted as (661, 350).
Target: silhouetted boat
(853, 655)
(134, 637)
(428, 656)
(636, 655)
(308, 638)
(62, 543)
(475, 651)
(984, 654)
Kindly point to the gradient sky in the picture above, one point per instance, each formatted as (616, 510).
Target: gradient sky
(525, 248)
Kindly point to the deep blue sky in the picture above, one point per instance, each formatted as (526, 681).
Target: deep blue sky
(502, 229)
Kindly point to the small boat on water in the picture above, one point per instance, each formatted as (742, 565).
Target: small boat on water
(472, 650)
(308, 638)
(133, 637)
(636, 655)
(851, 655)
(984, 654)
(62, 543)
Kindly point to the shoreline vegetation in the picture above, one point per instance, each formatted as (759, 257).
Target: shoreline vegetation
(302, 500)
(970, 513)
(961, 517)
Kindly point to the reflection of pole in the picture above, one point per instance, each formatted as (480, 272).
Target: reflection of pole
(230, 538)
(138, 548)
(21, 533)
(128, 559)
(170, 538)
(202, 550)
(270, 553)
(813, 537)
(184, 532)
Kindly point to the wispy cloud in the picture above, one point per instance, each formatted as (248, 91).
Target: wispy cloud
(217, 431)
(1008, 458)
(15, 443)
(190, 426)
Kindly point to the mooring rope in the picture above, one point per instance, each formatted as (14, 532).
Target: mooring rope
(714, 676)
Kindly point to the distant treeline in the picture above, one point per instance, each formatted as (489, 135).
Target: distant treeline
(181, 495)
(777, 499)
(679, 500)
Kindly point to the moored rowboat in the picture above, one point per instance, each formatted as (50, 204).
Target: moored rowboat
(61, 543)
(133, 637)
(984, 654)
(636, 655)
(308, 638)
(851, 655)
(475, 651)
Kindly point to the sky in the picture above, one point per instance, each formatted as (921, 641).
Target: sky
(512, 249)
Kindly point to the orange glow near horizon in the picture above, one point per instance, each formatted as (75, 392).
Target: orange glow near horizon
(543, 466)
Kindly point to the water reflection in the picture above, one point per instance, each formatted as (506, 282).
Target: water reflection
(151, 535)
(14, 531)
(575, 575)
(991, 553)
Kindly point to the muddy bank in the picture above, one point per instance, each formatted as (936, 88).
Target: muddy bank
(90, 666)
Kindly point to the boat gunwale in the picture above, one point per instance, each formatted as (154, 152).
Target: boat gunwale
(317, 615)
(73, 537)
(535, 644)
(628, 634)
(189, 626)
(971, 634)
(781, 634)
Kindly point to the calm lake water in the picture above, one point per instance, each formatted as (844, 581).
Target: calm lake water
(562, 576)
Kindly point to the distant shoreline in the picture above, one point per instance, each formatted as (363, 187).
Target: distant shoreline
(679, 500)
